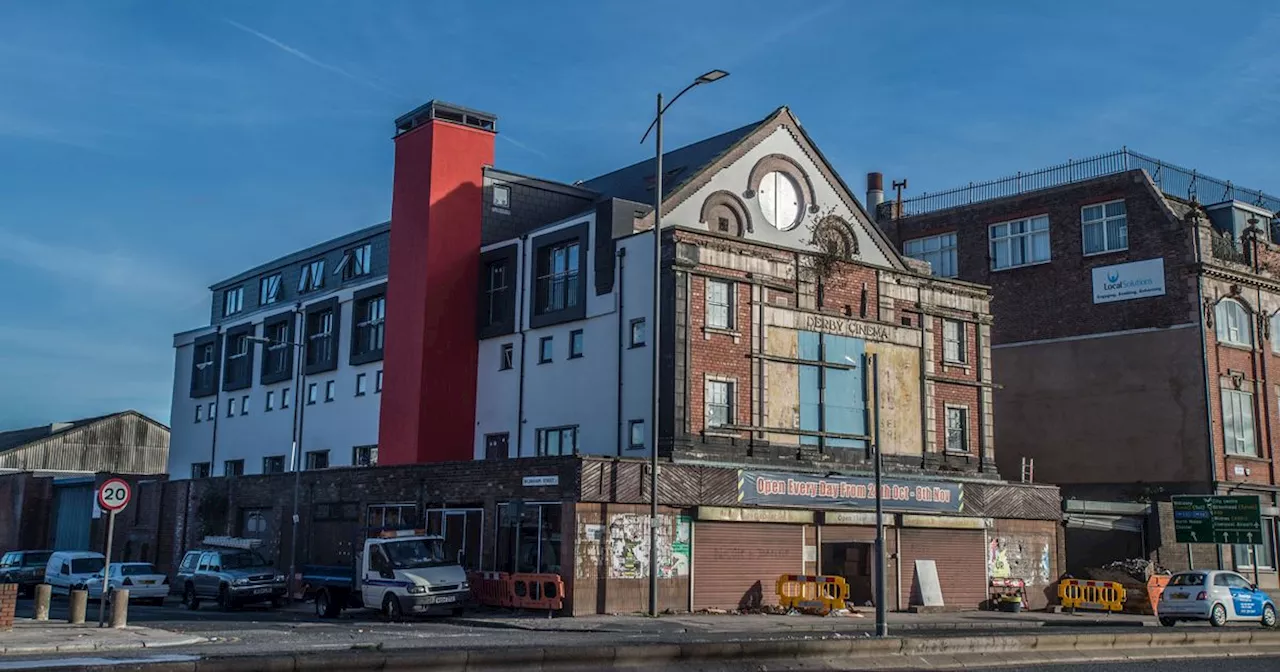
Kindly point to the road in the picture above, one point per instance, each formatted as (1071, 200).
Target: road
(1266, 664)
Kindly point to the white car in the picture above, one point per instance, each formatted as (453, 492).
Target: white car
(1216, 596)
(143, 581)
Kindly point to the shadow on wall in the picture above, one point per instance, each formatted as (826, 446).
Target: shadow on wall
(753, 598)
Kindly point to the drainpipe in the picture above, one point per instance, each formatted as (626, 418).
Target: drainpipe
(1204, 357)
(520, 311)
(622, 261)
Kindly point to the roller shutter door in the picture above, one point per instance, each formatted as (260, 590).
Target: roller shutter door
(962, 565)
(736, 565)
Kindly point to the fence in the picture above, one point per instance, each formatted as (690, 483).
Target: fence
(825, 593)
(1101, 595)
(1173, 180)
(518, 591)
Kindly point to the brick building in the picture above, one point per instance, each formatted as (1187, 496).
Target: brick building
(1135, 344)
(516, 415)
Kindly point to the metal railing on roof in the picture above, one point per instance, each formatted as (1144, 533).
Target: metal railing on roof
(1171, 179)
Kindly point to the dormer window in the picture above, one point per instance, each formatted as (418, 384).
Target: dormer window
(355, 262)
(501, 196)
(232, 301)
(269, 290)
(312, 276)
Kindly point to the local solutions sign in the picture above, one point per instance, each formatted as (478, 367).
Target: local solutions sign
(1134, 280)
(779, 489)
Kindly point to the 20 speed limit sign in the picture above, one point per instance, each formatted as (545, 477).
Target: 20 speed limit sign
(114, 494)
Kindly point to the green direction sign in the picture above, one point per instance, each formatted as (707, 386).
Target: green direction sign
(1217, 519)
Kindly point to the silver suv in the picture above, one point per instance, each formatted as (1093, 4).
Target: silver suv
(231, 576)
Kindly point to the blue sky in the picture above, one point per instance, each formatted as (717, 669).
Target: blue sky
(148, 149)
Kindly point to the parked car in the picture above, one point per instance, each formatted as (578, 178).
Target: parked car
(71, 570)
(1216, 596)
(25, 568)
(143, 581)
(231, 576)
(398, 572)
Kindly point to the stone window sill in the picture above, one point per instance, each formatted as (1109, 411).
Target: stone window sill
(708, 331)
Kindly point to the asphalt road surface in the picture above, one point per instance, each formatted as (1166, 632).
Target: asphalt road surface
(1265, 664)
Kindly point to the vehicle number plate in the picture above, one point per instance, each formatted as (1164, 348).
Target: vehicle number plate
(446, 598)
(1179, 596)
(261, 591)
(147, 582)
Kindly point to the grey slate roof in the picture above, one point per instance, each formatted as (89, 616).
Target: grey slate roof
(20, 437)
(635, 182)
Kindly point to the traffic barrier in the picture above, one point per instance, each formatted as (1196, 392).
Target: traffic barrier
(1100, 595)
(491, 589)
(1155, 588)
(827, 593)
(537, 591)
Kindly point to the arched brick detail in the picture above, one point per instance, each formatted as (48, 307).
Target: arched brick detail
(833, 230)
(727, 205)
(782, 164)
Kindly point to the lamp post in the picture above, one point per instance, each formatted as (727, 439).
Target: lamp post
(295, 456)
(871, 369)
(654, 331)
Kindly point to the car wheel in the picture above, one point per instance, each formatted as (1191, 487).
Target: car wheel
(391, 609)
(1168, 622)
(189, 598)
(1269, 616)
(322, 604)
(1218, 617)
(225, 602)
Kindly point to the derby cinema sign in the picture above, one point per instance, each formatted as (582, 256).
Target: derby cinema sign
(762, 488)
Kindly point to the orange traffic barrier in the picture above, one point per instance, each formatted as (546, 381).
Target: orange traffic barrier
(1155, 588)
(827, 593)
(492, 589)
(537, 591)
(1102, 595)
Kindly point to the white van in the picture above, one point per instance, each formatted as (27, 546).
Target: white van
(68, 570)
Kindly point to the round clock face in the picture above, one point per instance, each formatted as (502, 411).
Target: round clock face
(780, 200)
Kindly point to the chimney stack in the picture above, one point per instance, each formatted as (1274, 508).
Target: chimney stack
(875, 193)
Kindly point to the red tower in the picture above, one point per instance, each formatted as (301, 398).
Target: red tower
(429, 373)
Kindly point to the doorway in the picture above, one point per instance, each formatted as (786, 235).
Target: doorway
(852, 561)
(463, 532)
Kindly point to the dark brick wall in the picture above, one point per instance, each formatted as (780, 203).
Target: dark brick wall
(1055, 299)
(8, 603)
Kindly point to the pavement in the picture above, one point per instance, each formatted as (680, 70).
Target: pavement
(43, 637)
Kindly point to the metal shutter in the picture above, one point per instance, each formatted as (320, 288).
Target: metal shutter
(737, 565)
(962, 565)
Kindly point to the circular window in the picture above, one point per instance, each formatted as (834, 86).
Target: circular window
(780, 200)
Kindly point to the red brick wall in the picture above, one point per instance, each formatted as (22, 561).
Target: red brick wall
(8, 602)
(714, 353)
(1258, 370)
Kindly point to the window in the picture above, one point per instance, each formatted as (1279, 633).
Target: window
(284, 398)
(312, 276)
(205, 366)
(362, 385)
(233, 468)
(231, 407)
(311, 393)
(277, 356)
(232, 301)
(244, 405)
(317, 459)
(271, 400)
(528, 538)
(719, 304)
(501, 196)
(544, 350)
(1237, 422)
(273, 464)
(200, 470)
(575, 344)
(364, 456)
(957, 429)
(637, 332)
(1104, 227)
(719, 403)
(199, 409)
(370, 326)
(269, 289)
(558, 441)
(239, 373)
(1275, 333)
(1264, 554)
(832, 394)
(377, 382)
(1233, 323)
(506, 357)
(495, 292)
(496, 446)
(330, 387)
(557, 284)
(1021, 242)
(319, 338)
(392, 515)
(635, 430)
(954, 348)
(722, 224)
(939, 251)
(213, 410)
(356, 262)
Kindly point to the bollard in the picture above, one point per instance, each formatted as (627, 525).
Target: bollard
(119, 608)
(78, 601)
(43, 594)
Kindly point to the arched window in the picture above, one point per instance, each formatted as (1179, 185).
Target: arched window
(1233, 323)
(1275, 333)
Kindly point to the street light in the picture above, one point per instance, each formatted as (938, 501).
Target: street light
(295, 454)
(871, 367)
(654, 331)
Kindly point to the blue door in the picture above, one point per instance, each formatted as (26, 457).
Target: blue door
(73, 511)
(1245, 601)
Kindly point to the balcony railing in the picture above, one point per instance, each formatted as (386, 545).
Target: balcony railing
(1228, 248)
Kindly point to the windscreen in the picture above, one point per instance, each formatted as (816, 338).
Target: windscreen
(137, 569)
(415, 553)
(86, 565)
(243, 560)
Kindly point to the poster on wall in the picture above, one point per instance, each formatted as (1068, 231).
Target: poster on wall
(762, 488)
(1124, 282)
(628, 546)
